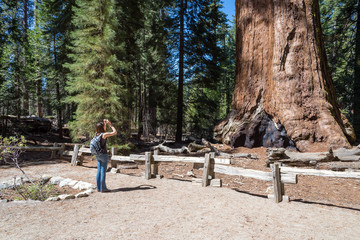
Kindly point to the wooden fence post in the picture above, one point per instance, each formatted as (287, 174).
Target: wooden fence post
(156, 164)
(212, 165)
(75, 154)
(113, 153)
(277, 182)
(61, 152)
(147, 165)
(53, 153)
(206, 170)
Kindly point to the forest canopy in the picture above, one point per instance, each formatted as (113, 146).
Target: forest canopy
(151, 67)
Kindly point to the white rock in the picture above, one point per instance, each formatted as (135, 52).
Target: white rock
(215, 183)
(56, 180)
(66, 196)
(190, 173)
(115, 170)
(82, 194)
(52, 199)
(270, 190)
(33, 201)
(46, 176)
(72, 183)
(65, 182)
(4, 185)
(3, 200)
(83, 185)
(89, 191)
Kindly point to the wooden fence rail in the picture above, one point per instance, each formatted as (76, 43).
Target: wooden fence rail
(279, 174)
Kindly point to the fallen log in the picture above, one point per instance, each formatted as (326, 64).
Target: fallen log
(193, 147)
(346, 155)
(236, 155)
(297, 158)
(163, 148)
(342, 166)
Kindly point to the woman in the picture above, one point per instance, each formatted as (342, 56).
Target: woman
(103, 157)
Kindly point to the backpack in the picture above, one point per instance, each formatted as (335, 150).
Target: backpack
(95, 147)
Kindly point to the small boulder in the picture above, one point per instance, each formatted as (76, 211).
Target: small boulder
(82, 194)
(65, 182)
(190, 173)
(52, 199)
(56, 180)
(115, 170)
(83, 185)
(66, 196)
(72, 183)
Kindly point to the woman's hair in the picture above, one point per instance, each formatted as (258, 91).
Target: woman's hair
(100, 127)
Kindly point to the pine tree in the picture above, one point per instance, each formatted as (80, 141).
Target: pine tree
(96, 84)
(205, 57)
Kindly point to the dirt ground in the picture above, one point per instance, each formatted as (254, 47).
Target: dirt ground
(173, 208)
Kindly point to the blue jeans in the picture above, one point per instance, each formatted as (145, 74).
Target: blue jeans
(102, 160)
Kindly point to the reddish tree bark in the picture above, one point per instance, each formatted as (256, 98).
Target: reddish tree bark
(284, 94)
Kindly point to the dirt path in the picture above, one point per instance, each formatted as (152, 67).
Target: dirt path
(167, 209)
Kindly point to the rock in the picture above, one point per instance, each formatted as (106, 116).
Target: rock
(33, 201)
(215, 182)
(65, 182)
(52, 199)
(190, 173)
(82, 194)
(270, 190)
(158, 176)
(4, 185)
(89, 191)
(66, 196)
(3, 201)
(114, 170)
(46, 176)
(56, 180)
(83, 185)
(72, 183)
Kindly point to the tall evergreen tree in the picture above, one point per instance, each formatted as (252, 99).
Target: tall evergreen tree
(205, 57)
(339, 19)
(96, 83)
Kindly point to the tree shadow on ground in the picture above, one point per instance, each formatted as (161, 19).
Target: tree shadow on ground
(140, 187)
(249, 193)
(325, 204)
(301, 200)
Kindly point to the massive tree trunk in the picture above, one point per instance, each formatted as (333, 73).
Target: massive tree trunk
(284, 94)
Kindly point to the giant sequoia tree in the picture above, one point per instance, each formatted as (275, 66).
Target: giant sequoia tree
(284, 94)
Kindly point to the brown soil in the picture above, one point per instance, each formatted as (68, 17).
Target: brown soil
(175, 209)
(338, 192)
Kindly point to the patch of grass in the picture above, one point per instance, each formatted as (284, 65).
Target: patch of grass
(36, 191)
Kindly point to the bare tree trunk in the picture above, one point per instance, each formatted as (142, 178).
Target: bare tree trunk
(58, 97)
(39, 81)
(179, 118)
(356, 99)
(284, 94)
(25, 83)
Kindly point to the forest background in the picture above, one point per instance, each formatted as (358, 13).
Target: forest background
(151, 67)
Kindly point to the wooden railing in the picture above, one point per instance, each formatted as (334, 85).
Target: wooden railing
(278, 175)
